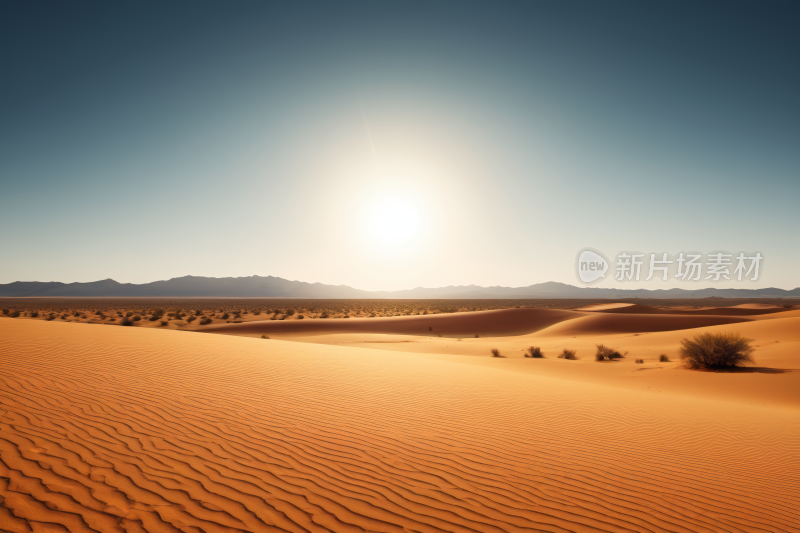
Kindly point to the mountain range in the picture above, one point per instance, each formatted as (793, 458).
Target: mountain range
(274, 287)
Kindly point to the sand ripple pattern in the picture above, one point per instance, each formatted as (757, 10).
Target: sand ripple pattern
(117, 429)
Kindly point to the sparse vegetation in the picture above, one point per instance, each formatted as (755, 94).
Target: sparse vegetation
(495, 352)
(14, 314)
(5, 311)
(126, 322)
(639, 361)
(264, 337)
(604, 353)
(567, 354)
(205, 320)
(533, 351)
(716, 351)
(663, 358)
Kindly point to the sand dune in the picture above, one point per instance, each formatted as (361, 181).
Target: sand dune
(490, 323)
(737, 310)
(484, 323)
(125, 429)
(607, 324)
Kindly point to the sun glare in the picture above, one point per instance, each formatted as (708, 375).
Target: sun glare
(393, 221)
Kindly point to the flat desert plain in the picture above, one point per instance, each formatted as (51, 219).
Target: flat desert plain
(400, 424)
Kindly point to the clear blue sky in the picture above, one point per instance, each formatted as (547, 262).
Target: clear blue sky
(148, 140)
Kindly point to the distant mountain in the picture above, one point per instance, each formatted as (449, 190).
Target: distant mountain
(272, 287)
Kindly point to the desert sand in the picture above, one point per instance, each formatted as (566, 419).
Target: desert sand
(384, 425)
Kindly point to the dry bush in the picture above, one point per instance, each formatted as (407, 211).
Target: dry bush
(567, 354)
(5, 311)
(495, 352)
(639, 361)
(264, 337)
(663, 358)
(606, 352)
(534, 351)
(126, 322)
(14, 314)
(716, 351)
(205, 320)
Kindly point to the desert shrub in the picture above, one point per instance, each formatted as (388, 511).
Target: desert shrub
(204, 321)
(290, 312)
(533, 351)
(300, 317)
(34, 314)
(325, 315)
(477, 336)
(136, 318)
(189, 319)
(256, 313)
(606, 352)
(495, 352)
(567, 354)
(225, 316)
(663, 358)
(716, 351)
(5, 311)
(14, 314)
(164, 322)
(126, 322)
(129, 314)
(639, 361)
(264, 337)
(99, 313)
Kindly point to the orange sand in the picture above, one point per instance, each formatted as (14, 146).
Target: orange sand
(130, 429)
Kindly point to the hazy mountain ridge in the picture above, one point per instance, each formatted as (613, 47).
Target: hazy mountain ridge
(270, 286)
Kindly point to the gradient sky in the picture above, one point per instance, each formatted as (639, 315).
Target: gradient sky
(148, 140)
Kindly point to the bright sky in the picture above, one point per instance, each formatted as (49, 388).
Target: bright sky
(394, 145)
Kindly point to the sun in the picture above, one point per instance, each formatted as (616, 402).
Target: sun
(392, 221)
